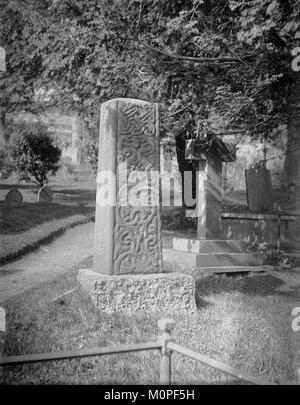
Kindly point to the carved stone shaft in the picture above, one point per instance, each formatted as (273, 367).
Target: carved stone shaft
(127, 234)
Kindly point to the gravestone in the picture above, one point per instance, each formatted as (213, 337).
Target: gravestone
(13, 197)
(127, 265)
(45, 194)
(259, 189)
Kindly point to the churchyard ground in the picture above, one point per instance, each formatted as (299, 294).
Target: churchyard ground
(27, 225)
(244, 321)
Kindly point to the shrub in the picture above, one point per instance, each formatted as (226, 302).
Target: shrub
(34, 154)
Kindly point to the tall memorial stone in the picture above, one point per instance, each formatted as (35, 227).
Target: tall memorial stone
(127, 237)
(127, 274)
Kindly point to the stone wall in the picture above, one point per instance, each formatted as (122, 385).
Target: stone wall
(260, 227)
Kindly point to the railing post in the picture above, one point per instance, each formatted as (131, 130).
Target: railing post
(165, 326)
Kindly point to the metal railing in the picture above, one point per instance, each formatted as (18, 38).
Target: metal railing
(165, 344)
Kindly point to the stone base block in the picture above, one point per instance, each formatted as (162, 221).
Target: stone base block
(202, 264)
(167, 292)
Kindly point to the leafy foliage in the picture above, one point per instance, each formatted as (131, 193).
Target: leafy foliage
(6, 167)
(33, 153)
(214, 66)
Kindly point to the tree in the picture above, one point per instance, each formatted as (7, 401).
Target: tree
(198, 58)
(33, 153)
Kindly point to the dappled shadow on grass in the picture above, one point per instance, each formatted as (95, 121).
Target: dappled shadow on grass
(24, 216)
(76, 196)
(261, 285)
(20, 186)
(200, 302)
(8, 272)
(291, 293)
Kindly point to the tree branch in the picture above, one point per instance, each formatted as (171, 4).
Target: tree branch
(195, 59)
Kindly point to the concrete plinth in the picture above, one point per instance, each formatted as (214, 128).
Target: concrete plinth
(167, 292)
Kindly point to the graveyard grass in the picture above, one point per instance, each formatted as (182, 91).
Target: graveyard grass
(242, 321)
(27, 225)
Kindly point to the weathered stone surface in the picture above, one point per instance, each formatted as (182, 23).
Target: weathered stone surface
(259, 227)
(13, 197)
(209, 185)
(45, 194)
(208, 246)
(167, 292)
(127, 237)
(259, 189)
(209, 199)
(199, 264)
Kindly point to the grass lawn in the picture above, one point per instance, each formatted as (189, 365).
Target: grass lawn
(244, 321)
(26, 225)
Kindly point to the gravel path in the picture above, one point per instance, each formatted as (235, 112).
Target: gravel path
(48, 262)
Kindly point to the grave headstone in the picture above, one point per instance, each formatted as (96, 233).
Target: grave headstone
(45, 194)
(13, 197)
(259, 189)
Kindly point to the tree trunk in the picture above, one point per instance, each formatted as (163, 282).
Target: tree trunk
(2, 127)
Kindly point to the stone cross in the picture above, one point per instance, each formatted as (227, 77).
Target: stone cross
(209, 185)
(127, 236)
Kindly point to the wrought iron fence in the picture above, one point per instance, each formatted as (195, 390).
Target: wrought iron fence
(165, 344)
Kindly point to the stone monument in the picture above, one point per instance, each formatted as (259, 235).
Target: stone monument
(127, 270)
(13, 197)
(259, 188)
(127, 238)
(208, 252)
